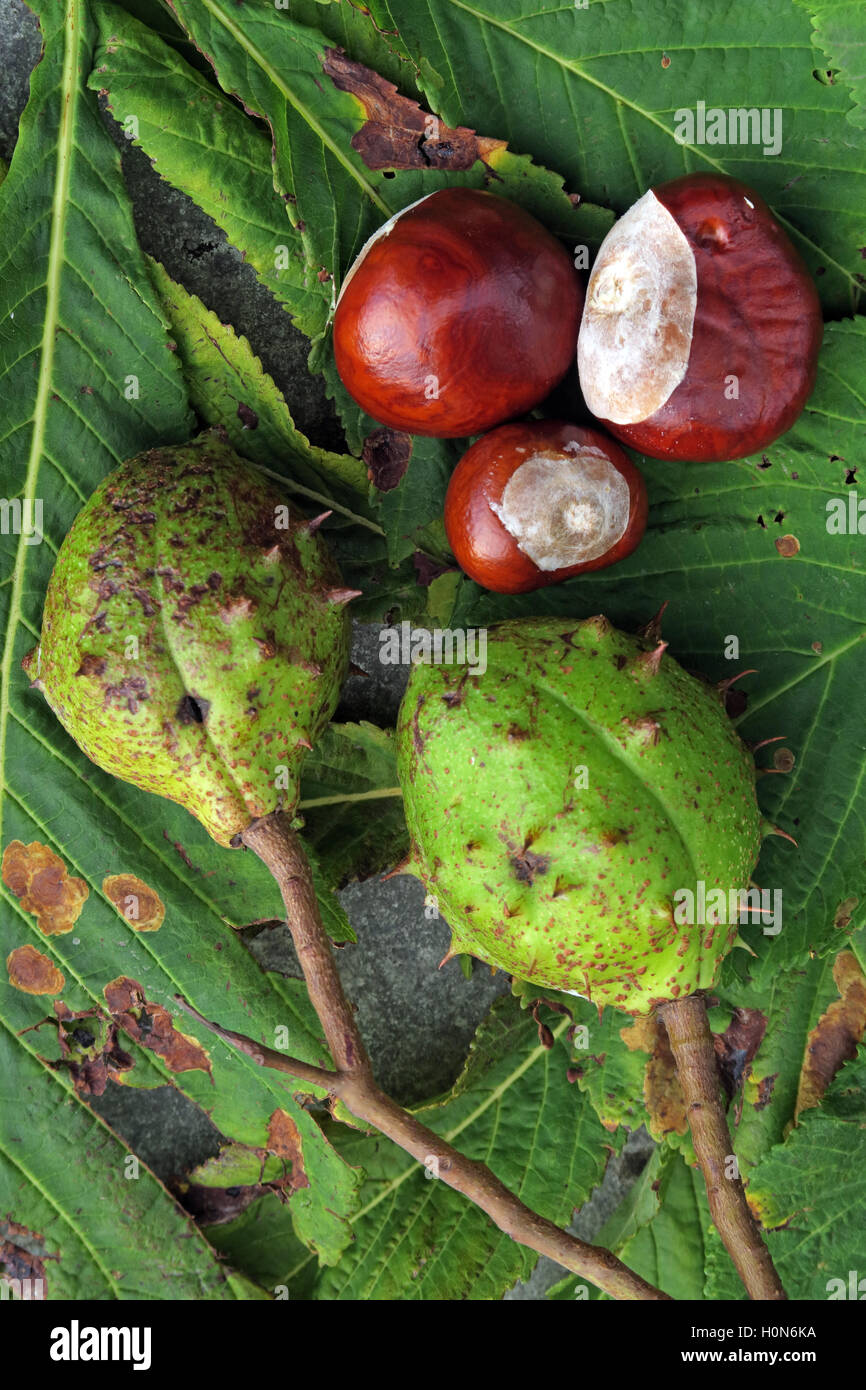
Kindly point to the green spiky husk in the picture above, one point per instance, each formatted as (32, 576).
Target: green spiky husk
(175, 594)
(566, 886)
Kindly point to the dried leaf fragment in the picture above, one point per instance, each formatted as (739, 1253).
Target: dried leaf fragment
(397, 134)
(662, 1092)
(22, 1261)
(835, 1037)
(89, 1049)
(284, 1140)
(386, 453)
(151, 1025)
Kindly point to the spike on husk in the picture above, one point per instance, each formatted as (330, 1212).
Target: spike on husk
(651, 661)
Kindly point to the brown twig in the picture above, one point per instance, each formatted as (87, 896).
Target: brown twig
(275, 842)
(691, 1042)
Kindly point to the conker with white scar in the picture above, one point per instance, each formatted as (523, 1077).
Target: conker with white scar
(534, 503)
(701, 329)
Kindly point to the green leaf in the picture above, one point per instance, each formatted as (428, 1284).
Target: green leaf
(512, 1109)
(262, 1243)
(839, 31)
(611, 1073)
(229, 387)
(87, 325)
(280, 69)
(811, 1191)
(639, 1206)
(670, 1250)
(103, 1229)
(792, 1002)
(595, 93)
(358, 826)
(203, 144)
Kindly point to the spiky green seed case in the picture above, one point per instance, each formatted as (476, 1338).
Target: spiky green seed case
(189, 645)
(571, 886)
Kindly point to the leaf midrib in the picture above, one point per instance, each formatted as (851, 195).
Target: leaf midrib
(69, 102)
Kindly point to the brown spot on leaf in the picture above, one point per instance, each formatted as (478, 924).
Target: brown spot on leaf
(151, 1025)
(427, 569)
(284, 1140)
(238, 606)
(386, 453)
(662, 1092)
(33, 973)
(397, 134)
(40, 881)
(837, 1033)
(787, 546)
(22, 1259)
(247, 416)
(843, 914)
(766, 1086)
(783, 760)
(138, 904)
(214, 1206)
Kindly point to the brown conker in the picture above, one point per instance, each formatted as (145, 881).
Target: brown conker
(701, 329)
(460, 312)
(534, 503)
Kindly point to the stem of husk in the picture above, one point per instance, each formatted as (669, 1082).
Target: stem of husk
(691, 1041)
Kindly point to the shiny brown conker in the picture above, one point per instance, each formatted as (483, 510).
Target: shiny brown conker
(460, 312)
(534, 503)
(701, 329)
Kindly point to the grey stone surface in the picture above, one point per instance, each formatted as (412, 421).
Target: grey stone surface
(418, 1020)
(376, 694)
(20, 46)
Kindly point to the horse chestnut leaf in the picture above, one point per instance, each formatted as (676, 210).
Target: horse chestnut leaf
(460, 312)
(701, 329)
(531, 504)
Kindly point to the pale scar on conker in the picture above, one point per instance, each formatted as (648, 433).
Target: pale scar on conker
(534, 503)
(701, 329)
